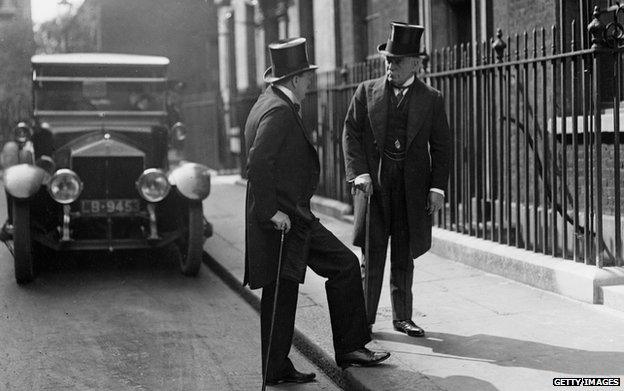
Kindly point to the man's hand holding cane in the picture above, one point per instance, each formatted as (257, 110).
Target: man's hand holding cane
(364, 183)
(281, 221)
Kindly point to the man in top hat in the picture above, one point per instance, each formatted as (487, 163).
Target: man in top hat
(283, 173)
(396, 145)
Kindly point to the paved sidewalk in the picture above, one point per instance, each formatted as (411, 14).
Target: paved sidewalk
(484, 332)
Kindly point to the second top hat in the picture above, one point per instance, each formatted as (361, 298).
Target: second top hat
(404, 40)
(288, 58)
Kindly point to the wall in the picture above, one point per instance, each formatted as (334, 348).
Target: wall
(450, 23)
(183, 30)
(354, 43)
(523, 15)
(16, 48)
(324, 26)
(379, 15)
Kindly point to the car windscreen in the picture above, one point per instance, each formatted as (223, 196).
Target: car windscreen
(99, 95)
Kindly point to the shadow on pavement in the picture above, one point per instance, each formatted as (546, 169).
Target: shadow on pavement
(390, 378)
(510, 352)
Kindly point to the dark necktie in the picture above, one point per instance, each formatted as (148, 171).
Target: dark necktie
(297, 107)
(400, 93)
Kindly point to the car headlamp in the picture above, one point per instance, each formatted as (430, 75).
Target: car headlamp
(153, 185)
(65, 186)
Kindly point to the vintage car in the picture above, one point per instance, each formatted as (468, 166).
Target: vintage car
(101, 178)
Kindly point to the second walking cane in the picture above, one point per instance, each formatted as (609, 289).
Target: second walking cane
(367, 233)
(277, 280)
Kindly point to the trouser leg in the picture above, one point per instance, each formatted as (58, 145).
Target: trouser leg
(401, 277)
(401, 263)
(283, 327)
(331, 259)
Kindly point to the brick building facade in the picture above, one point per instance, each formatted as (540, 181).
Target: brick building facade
(348, 31)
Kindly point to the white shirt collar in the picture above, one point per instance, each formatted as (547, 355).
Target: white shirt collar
(288, 93)
(407, 83)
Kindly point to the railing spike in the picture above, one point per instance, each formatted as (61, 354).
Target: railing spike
(499, 45)
(573, 35)
(461, 53)
(554, 39)
(596, 29)
(484, 53)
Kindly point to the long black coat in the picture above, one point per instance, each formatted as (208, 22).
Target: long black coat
(283, 174)
(428, 151)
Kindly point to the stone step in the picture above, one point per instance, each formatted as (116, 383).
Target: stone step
(613, 297)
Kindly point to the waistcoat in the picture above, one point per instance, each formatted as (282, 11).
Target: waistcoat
(396, 131)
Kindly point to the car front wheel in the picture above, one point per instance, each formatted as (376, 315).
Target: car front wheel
(191, 244)
(22, 243)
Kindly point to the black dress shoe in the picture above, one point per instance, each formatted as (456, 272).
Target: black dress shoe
(408, 327)
(361, 358)
(294, 376)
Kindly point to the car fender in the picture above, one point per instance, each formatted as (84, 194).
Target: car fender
(24, 180)
(192, 180)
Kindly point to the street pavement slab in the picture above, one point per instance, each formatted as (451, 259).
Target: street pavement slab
(484, 332)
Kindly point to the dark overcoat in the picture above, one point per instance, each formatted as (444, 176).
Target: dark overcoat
(428, 151)
(282, 174)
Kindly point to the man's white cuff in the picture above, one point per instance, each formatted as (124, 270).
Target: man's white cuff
(436, 190)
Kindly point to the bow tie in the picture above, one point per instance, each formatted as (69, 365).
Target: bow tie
(297, 107)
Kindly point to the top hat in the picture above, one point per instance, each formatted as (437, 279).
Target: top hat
(404, 40)
(288, 58)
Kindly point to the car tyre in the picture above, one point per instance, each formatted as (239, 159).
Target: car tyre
(22, 243)
(191, 244)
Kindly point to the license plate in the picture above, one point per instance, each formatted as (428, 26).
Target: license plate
(114, 206)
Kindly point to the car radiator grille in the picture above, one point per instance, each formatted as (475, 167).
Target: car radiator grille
(108, 177)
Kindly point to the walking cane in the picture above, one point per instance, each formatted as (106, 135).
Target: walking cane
(279, 267)
(367, 232)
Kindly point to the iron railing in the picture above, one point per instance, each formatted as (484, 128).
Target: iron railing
(536, 142)
(535, 125)
(324, 110)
